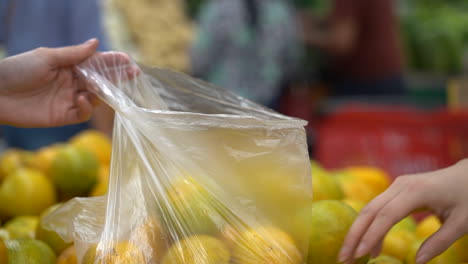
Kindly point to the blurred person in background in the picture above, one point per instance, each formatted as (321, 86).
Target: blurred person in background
(248, 46)
(29, 24)
(362, 41)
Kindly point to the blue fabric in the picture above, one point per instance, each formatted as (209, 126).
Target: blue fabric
(29, 24)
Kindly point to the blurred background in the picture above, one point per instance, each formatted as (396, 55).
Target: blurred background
(382, 83)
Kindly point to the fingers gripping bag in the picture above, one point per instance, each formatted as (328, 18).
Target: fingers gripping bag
(198, 176)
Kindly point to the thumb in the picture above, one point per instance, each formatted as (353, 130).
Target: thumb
(439, 241)
(72, 55)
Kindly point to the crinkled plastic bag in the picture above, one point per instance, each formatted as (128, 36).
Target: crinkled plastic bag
(198, 175)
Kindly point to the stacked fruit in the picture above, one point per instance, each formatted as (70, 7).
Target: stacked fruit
(32, 186)
(356, 186)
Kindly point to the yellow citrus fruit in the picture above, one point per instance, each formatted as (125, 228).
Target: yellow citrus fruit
(15, 159)
(193, 206)
(331, 220)
(50, 237)
(397, 243)
(3, 252)
(103, 181)
(26, 192)
(324, 186)
(199, 249)
(362, 183)
(356, 205)
(448, 257)
(461, 246)
(266, 245)
(96, 142)
(22, 227)
(122, 253)
(45, 156)
(428, 226)
(29, 251)
(408, 223)
(151, 239)
(68, 256)
(74, 170)
(385, 260)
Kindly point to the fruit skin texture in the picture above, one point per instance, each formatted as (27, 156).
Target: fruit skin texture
(324, 186)
(3, 252)
(68, 256)
(200, 249)
(22, 227)
(102, 183)
(330, 223)
(48, 236)
(385, 260)
(448, 257)
(29, 251)
(265, 245)
(96, 142)
(45, 156)
(26, 192)
(15, 159)
(356, 205)
(74, 171)
(122, 253)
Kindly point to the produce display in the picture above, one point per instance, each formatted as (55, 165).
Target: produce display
(358, 186)
(160, 29)
(34, 184)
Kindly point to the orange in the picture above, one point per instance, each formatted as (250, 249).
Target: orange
(96, 142)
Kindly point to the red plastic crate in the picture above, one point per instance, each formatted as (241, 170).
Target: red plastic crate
(400, 141)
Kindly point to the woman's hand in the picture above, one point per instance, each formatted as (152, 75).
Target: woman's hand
(444, 192)
(42, 88)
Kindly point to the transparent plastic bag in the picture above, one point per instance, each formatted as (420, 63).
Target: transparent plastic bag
(198, 175)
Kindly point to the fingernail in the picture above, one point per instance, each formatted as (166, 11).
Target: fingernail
(360, 251)
(343, 255)
(89, 41)
(421, 259)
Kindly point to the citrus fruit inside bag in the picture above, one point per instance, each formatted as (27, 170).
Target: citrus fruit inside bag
(198, 175)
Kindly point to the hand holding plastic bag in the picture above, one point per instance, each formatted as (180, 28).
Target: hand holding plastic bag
(198, 175)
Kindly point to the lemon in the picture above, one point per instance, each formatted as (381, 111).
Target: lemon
(193, 206)
(68, 256)
(50, 237)
(428, 226)
(266, 245)
(324, 186)
(330, 223)
(45, 156)
(103, 181)
(199, 249)
(3, 252)
(26, 192)
(362, 183)
(74, 171)
(397, 243)
(356, 205)
(29, 251)
(96, 142)
(122, 253)
(385, 260)
(448, 257)
(22, 227)
(408, 223)
(15, 159)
